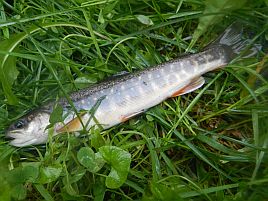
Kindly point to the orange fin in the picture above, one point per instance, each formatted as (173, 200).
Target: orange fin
(71, 126)
(124, 118)
(195, 84)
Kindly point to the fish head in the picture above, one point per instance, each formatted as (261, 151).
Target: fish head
(29, 130)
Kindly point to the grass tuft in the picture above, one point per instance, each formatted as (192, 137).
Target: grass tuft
(210, 144)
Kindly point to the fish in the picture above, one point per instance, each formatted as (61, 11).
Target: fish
(117, 100)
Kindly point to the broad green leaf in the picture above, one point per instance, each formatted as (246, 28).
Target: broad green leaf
(49, 173)
(22, 174)
(213, 13)
(97, 140)
(19, 192)
(120, 164)
(144, 19)
(30, 173)
(92, 161)
(77, 175)
(86, 157)
(5, 187)
(56, 115)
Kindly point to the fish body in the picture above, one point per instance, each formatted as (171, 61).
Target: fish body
(132, 94)
(115, 101)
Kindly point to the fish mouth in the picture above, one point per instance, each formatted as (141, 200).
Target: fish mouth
(19, 139)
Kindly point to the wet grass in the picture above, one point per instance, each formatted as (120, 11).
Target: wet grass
(210, 144)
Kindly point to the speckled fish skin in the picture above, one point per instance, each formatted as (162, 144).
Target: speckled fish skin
(134, 93)
(128, 95)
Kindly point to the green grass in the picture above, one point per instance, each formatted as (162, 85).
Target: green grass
(210, 144)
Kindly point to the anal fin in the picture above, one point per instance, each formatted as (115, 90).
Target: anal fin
(193, 85)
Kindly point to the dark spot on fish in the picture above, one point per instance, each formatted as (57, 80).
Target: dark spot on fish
(192, 62)
(30, 117)
(145, 83)
(201, 60)
(210, 57)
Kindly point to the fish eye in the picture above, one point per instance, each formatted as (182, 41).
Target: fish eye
(20, 124)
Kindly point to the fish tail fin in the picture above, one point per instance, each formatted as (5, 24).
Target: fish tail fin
(233, 38)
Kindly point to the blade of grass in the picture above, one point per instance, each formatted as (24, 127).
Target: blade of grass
(90, 29)
(45, 194)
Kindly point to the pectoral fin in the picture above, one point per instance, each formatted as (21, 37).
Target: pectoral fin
(127, 117)
(73, 125)
(195, 84)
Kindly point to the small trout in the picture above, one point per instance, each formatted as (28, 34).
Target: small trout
(115, 101)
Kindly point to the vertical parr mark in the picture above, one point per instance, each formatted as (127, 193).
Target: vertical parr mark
(210, 57)
(200, 60)
(193, 62)
(195, 65)
(188, 67)
(173, 78)
(171, 67)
